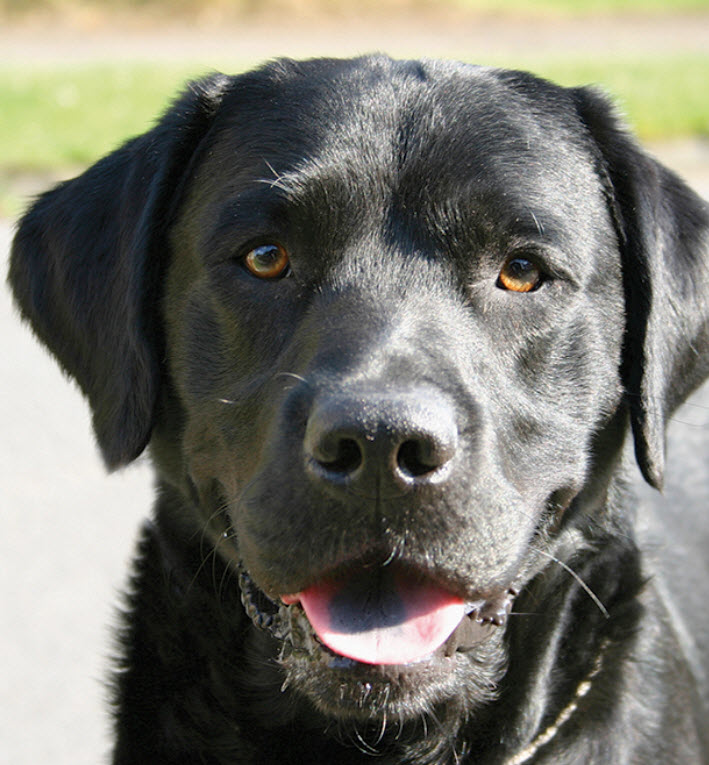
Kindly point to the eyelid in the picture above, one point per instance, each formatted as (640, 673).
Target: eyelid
(554, 262)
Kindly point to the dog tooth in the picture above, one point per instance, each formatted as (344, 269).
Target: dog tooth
(451, 645)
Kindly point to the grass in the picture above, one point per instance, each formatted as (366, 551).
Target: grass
(57, 120)
(54, 118)
(662, 97)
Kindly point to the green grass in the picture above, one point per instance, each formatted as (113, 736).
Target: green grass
(662, 98)
(54, 118)
(59, 120)
(55, 122)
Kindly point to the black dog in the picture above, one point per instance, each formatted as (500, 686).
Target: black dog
(385, 328)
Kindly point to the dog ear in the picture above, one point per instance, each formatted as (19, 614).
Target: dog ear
(86, 263)
(663, 228)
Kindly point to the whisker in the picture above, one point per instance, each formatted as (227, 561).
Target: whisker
(211, 553)
(272, 169)
(400, 727)
(684, 406)
(424, 725)
(363, 745)
(383, 728)
(539, 226)
(392, 556)
(227, 575)
(300, 378)
(435, 719)
(206, 557)
(697, 425)
(688, 404)
(581, 582)
(277, 182)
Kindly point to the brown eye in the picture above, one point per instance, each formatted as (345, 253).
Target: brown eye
(268, 261)
(519, 275)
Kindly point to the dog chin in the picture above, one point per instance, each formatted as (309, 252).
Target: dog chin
(344, 689)
(392, 682)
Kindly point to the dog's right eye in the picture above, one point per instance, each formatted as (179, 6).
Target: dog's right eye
(519, 275)
(268, 261)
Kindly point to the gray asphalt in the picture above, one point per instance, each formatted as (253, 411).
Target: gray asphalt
(67, 535)
(65, 541)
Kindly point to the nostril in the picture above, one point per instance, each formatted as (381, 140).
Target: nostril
(366, 440)
(345, 459)
(412, 460)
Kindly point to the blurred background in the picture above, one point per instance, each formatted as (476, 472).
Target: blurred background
(77, 77)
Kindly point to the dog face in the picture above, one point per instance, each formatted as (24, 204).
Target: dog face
(376, 321)
(394, 323)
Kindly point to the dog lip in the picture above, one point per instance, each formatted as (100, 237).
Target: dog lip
(384, 615)
(481, 619)
(284, 619)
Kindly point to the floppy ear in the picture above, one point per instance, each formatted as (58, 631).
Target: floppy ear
(86, 263)
(663, 228)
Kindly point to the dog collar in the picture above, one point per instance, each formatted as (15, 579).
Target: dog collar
(566, 713)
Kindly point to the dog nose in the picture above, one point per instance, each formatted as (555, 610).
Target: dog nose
(369, 440)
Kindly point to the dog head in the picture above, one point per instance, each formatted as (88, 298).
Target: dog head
(384, 325)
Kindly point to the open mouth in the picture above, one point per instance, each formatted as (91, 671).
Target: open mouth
(385, 615)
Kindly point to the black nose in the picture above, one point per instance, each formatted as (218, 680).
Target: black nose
(368, 440)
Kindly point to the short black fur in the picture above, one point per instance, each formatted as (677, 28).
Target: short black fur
(389, 402)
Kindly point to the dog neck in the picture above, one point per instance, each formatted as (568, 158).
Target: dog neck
(548, 734)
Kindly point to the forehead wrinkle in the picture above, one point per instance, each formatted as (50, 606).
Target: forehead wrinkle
(254, 203)
(322, 185)
(380, 160)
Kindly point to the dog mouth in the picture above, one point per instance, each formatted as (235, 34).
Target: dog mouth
(383, 615)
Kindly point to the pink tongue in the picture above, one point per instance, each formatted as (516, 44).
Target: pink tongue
(386, 620)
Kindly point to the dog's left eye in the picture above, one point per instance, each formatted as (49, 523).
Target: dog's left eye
(519, 275)
(268, 261)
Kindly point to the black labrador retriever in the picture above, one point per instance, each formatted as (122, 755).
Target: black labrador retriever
(386, 328)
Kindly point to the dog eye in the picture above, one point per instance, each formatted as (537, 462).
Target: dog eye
(519, 275)
(268, 261)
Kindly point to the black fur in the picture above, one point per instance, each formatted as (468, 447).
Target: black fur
(399, 190)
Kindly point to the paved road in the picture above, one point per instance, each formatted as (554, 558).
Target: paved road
(67, 535)
(448, 34)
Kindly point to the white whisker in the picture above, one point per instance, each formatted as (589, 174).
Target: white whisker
(581, 582)
(300, 378)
